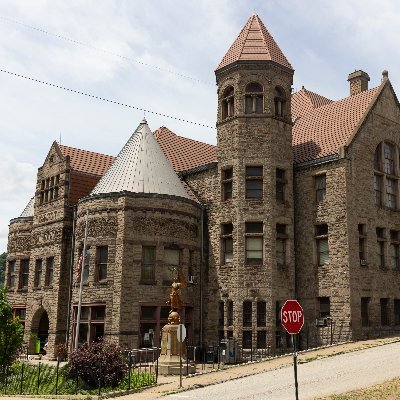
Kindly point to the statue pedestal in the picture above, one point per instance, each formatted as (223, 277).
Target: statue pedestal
(168, 362)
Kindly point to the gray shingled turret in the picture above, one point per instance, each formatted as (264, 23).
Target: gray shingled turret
(29, 209)
(141, 167)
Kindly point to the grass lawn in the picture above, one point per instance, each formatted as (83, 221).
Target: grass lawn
(389, 390)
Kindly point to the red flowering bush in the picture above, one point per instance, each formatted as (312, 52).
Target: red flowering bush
(98, 362)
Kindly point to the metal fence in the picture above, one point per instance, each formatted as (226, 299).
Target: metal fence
(43, 378)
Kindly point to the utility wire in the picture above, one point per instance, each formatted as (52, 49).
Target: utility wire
(104, 99)
(77, 42)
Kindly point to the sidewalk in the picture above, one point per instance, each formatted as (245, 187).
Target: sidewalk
(170, 384)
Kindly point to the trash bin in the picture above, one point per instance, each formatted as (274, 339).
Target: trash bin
(210, 354)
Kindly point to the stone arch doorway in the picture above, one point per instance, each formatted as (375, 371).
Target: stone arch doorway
(39, 331)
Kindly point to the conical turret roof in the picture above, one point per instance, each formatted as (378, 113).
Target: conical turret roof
(141, 167)
(254, 43)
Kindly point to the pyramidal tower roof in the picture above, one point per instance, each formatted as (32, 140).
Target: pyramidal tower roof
(141, 167)
(254, 43)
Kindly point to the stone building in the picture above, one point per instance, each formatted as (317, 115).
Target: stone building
(299, 199)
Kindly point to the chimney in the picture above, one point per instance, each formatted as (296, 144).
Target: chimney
(358, 82)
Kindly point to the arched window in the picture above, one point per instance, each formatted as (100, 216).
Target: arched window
(386, 175)
(254, 99)
(280, 102)
(228, 102)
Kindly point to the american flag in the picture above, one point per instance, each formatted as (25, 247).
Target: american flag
(78, 269)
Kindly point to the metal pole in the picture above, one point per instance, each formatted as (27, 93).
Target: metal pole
(201, 276)
(331, 332)
(78, 317)
(71, 274)
(187, 357)
(295, 366)
(180, 355)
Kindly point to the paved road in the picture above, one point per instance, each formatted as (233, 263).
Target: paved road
(337, 374)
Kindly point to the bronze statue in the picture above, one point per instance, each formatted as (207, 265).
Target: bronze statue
(175, 300)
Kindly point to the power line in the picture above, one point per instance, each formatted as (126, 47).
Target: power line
(77, 42)
(104, 99)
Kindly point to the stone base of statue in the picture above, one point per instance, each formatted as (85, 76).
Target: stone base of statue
(168, 362)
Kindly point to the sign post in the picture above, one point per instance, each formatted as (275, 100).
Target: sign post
(292, 317)
(180, 335)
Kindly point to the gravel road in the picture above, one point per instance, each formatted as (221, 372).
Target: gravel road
(331, 375)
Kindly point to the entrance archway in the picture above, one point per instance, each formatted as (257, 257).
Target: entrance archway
(39, 331)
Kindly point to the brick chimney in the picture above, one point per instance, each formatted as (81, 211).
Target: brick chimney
(358, 82)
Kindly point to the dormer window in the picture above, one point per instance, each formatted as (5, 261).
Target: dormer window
(254, 99)
(228, 102)
(280, 102)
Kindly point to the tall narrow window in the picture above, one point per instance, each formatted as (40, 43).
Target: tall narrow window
(278, 313)
(280, 102)
(221, 313)
(324, 307)
(391, 193)
(254, 182)
(20, 313)
(389, 154)
(281, 238)
(11, 275)
(230, 312)
(228, 102)
(365, 311)
(322, 244)
(102, 261)
(227, 180)
(261, 339)
(24, 277)
(38, 273)
(247, 313)
(254, 243)
(191, 264)
(86, 266)
(148, 264)
(394, 249)
(361, 244)
(172, 258)
(396, 310)
(254, 99)
(280, 185)
(247, 339)
(385, 321)
(380, 236)
(378, 158)
(227, 243)
(49, 271)
(320, 187)
(386, 175)
(261, 313)
(378, 189)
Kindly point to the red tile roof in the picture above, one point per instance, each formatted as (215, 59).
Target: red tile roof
(305, 101)
(254, 43)
(324, 130)
(184, 153)
(87, 161)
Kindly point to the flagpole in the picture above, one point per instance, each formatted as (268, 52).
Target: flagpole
(78, 316)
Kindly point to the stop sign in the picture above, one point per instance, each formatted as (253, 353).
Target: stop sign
(292, 316)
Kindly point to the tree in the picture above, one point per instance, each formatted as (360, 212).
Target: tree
(11, 333)
(2, 268)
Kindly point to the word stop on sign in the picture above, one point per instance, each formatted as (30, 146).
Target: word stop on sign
(291, 316)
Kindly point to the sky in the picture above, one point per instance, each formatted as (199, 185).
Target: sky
(158, 55)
